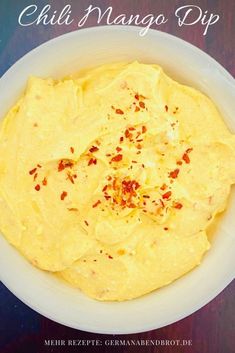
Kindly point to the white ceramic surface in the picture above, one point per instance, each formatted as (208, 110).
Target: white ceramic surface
(54, 299)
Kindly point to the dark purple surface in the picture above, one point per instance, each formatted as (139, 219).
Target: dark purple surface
(211, 329)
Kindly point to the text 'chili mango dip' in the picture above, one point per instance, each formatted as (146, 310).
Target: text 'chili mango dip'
(111, 178)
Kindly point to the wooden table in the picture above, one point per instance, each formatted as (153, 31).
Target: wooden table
(211, 329)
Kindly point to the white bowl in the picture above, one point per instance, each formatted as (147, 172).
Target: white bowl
(53, 298)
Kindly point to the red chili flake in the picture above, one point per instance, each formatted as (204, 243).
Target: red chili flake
(178, 205)
(165, 228)
(186, 158)
(118, 149)
(86, 223)
(64, 164)
(162, 203)
(140, 140)
(70, 177)
(137, 97)
(128, 134)
(142, 165)
(94, 149)
(39, 166)
(163, 187)
(167, 195)
(72, 149)
(105, 188)
(123, 202)
(179, 162)
(142, 104)
(137, 109)
(189, 150)
(131, 205)
(44, 182)
(174, 173)
(63, 195)
(166, 108)
(96, 204)
(121, 139)
(131, 128)
(92, 161)
(35, 176)
(146, 196)
(37, 187)
(139, 146)
(109, 177)
(107, 197)
(31, 172)
(117, 158)
(144, 129)
(119, 111)
(110, 257)
(134, 161)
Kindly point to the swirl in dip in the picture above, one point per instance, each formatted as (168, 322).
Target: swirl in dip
(111, 178)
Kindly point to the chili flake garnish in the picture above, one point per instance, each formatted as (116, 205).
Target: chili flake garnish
(177, 205)
(39, 166)
(174, 173)
(70, 177)
(119, 111)
(137, 109)
(96, 204)
(179, 162)
(128, 134)
(31, 172)
(137, 97)
(37, 187)
(165, 228)
(71, 149)
(94, 149)
(167, 195)
(92, 161)
(142, 104)
(63, 195)
(86, 223)
(121, 139)
(64, 164)
(186, 158)
(105, 188)
(110, 257)
(144, 129)
(163, 187)
(44, 182)
(117, 158)
(35, 176)
(118, 149)
(166, 108)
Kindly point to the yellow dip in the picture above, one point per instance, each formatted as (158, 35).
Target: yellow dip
(111, 178)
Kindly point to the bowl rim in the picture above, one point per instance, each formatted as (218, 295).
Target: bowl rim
(39, 307)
